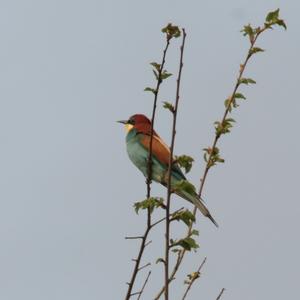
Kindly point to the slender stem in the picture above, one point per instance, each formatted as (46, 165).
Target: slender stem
(137, 264)
(167, 244)
(172, 276)
(159, 81)
(194, 279)
(133, 237)
(143, 287)
(221, 293)
(162, 219)
(217, 136)
(148, 181)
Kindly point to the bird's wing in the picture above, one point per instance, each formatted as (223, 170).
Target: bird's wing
(160, 151)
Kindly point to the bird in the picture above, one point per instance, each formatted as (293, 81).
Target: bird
(138, 137)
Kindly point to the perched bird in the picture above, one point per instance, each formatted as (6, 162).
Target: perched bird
(138, 137)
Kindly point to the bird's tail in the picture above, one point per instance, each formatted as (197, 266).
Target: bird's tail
(199, 204)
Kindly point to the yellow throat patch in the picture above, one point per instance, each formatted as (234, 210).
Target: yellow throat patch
(128, 127)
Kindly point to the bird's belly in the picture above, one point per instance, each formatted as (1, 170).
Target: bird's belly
(139, 156)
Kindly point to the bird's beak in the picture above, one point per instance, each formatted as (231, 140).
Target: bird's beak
(123, 121)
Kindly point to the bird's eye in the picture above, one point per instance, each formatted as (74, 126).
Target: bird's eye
(131, 121)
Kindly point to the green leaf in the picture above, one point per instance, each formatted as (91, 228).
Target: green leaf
(171, 31)
(160, 260)
(185, 216)
(149, 203)
(239, 96)
(168, 106)
(187, 244)
(191, 277)
(205, 157)
(247, 81)
(165, 75)
(281, 23)
(247, 30)
(230, 120)
(155, 74)
(156, 66)
(272, 16)
(250, 32)
(184, 161)
(224, 127)
(221, 160)
(228, 104)
(255, 50)
(195, 232)
(175, 250)
(214, 156)
(149, 89)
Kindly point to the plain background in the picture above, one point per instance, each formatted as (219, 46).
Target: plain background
(69, 70)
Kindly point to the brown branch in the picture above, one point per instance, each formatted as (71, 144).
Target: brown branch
(167, 244)
(203, 179)
(217, 136)
(137, 264)
(144, 266)
(162, 219)
(133, 237)
(193, 279)
(159, 81)
(148, 243)
(143, 287)
(220, 295)
(172, 276)
(148, 180)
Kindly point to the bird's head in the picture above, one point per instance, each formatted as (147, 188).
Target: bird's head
(137, 121)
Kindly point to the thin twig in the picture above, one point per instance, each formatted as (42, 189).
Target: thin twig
(159, 81)
(162, 219)
(144, 266)
(172, 276)
(193, 279)
(167, 244)
(148, 243)
(137, 264)
(148, 181)
(143, 287)
(221, 293)
(133, 237)
(237, 84)
(203, 179)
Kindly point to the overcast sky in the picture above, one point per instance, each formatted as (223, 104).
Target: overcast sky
(69, 70)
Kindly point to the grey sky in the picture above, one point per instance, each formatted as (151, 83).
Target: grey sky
(69, 69)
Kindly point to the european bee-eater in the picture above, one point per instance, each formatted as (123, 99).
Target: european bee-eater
(138, 137)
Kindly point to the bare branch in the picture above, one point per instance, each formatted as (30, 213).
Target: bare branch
(148, 243)
(221, 293)
(172, 276)
(143, 287)
(227, 110)
(193, 279)
(133, 237)
(144, 266)
(159, 81)
(162, 219)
